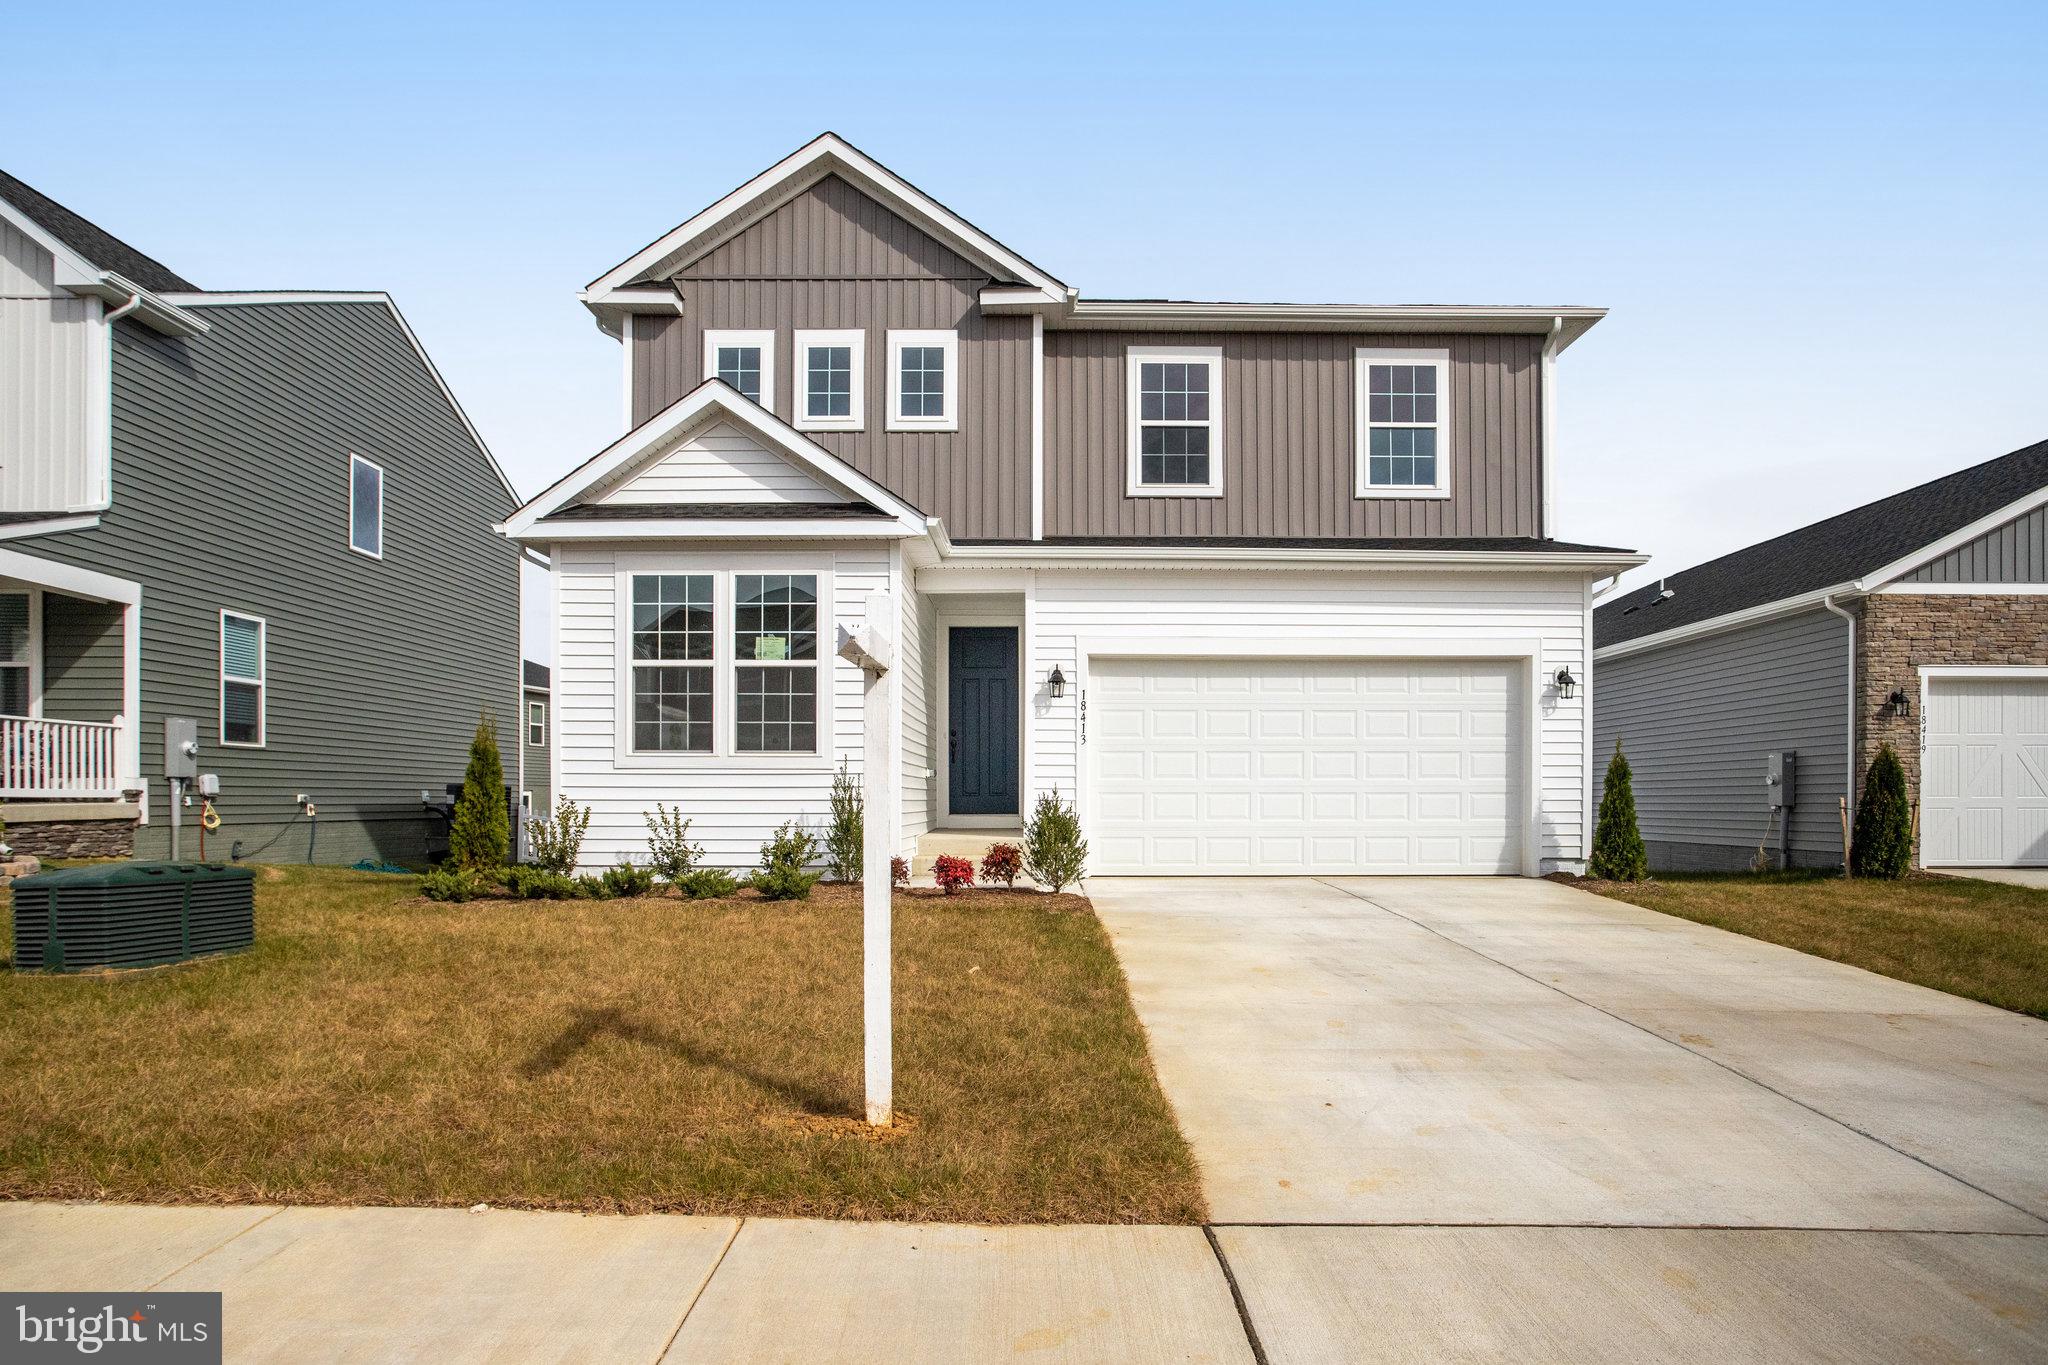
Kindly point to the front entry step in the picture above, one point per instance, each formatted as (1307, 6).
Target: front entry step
(970, 844)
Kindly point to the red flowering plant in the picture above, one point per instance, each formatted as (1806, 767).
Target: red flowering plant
(952, 873)
(899, 872)
(1002, 863)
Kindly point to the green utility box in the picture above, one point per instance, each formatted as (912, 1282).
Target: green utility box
(132, 915)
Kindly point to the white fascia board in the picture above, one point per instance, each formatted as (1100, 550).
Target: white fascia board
(824, 155)
(720, 528)
(1927, 554)
(69, 578)
(1011, 298)
(22, 530)
(1568, 324)
(713, 396)
(1196, 556)
(1734, 620)
(1962, 590)
(257, 298)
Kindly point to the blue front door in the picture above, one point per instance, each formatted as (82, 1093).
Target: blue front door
(982, 711)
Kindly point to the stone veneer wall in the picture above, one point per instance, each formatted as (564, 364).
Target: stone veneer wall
(1898, 633)
(73, 838)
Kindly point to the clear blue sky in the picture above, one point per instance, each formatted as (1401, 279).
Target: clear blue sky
(1820, 228)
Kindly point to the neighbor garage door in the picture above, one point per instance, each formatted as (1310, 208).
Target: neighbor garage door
(1984, 772)
(1277, 766)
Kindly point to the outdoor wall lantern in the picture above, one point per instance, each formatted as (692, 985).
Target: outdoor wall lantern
(1898, 703)
(1056, 682)
(1566, 683)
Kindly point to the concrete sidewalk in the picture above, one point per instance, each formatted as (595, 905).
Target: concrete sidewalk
(447, 1285)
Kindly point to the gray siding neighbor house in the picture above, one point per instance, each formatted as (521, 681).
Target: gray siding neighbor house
(1918, 621)
(262, 513)
(1263, 589)
(537, 794)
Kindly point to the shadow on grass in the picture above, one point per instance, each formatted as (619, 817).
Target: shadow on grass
(586, 1026)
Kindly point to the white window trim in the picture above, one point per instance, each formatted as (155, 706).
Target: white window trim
(261, 681)
(856, 342)
(948, 420)
(1135, 356)
(1361, 437)
(531, 723)
(724, 755)
(353, 461)
(717, 337)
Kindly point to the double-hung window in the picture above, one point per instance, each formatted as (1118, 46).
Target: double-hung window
(1175, 397)
(924, 381)
(1404, 423)
(15, 638)
(536, 723)
(725, 663)
(365, 507)
(243, 690)
(745, 360)
(673, 644)
(831, 380)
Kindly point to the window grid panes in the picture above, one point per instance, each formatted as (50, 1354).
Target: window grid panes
(1401, 409)
(671, 709)
(923, 381)
(672, 616)
(828, 381)
(1173, 422)
(778, 710)
(740, 366)
(775, 685)
(673, 619)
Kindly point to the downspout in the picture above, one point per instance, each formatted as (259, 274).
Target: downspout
(1849, 752)
(134, 302)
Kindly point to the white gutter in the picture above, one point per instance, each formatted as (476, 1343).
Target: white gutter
(1849, 751)
(134, 302)
(1714, 625)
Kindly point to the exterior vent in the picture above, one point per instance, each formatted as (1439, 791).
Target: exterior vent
(132, 915)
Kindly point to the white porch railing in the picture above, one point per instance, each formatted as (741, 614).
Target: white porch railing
(59, 759)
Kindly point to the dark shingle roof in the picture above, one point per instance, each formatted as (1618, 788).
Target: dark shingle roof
(1500, 544)
(698, 511)
(102, 248)
(536, 675)
(1839, 550)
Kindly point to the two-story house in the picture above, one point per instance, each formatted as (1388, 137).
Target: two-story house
(261, 514)
(1262, 588)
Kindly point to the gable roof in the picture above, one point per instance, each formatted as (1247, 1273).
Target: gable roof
(710, 401)
(91, 242)
(1850, 552)
(827, 154)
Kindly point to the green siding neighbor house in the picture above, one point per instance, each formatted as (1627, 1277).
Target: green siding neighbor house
(263, 513)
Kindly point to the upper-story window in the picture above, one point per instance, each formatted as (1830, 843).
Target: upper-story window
(745, 360)
(1176, 421)
(1404, 423)
(924, 381)
(536, 723)
(365, 507)
(831, 380)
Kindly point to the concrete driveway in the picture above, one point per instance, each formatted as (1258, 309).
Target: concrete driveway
(1514, 1110)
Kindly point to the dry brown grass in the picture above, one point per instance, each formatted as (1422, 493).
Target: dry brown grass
(375, 1048)
(1984, 940)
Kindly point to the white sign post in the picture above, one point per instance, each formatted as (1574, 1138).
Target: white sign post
(872, 647)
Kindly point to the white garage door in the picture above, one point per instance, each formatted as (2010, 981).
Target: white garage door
(1984, 772)
(1278, 766)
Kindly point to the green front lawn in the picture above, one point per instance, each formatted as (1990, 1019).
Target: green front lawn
(375, 1048)
(1984, 940)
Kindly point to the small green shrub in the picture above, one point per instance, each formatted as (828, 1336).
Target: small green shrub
(1883, 842)
(480, 833)
(845, 836)
(669, 850)
(628, 880)
(707, 883)
(1618, 852)
(558, 842)
(541, 884)
(592, 887)
(785, 872)
(1055, 854)
(451, 883)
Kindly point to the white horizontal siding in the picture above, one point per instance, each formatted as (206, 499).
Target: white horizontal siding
(1319, 610)
(733, 803)
(722, 464)
(919, 630)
